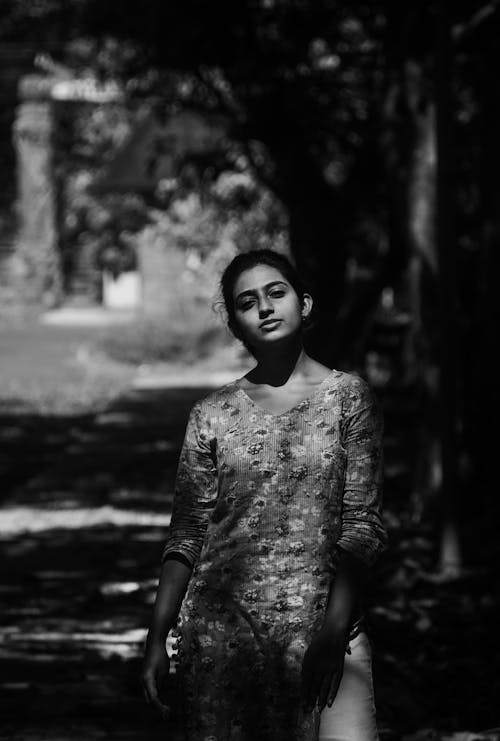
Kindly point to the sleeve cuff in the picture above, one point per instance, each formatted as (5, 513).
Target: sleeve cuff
(367, 552)
(176, 556)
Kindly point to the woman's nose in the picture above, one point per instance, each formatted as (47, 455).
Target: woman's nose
(265, 306)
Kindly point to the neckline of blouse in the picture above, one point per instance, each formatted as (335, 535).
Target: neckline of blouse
(309, 398)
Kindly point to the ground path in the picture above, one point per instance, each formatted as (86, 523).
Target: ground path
(82, 529)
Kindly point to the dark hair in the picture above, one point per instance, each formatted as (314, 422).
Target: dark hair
(248, 260)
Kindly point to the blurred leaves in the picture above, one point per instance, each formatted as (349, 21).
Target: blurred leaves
(233, 206)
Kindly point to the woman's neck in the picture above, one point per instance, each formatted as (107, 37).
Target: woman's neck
(276, 366)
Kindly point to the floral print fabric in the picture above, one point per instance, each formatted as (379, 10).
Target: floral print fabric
(263, 502)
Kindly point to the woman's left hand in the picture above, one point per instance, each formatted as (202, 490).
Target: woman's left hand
(322, 667)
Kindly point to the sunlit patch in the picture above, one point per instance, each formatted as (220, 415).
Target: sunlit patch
(151, 537)
(114, 418)
(16, 520)
(58, 575)
(44, 645)
(113, 588)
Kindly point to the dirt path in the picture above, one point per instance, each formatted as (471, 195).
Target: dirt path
(86, 505)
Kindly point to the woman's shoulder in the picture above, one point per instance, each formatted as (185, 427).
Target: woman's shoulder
(216, 401)
(354, 390)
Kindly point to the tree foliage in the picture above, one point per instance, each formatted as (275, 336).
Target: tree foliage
(333, 105)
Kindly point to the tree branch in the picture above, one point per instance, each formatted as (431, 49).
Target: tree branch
(463, 31)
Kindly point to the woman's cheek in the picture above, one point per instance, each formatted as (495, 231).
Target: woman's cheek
(249, 326)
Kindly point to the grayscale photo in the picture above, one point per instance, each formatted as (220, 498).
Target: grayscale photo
(248, 304)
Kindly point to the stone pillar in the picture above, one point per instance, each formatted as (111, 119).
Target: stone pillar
(37, 261)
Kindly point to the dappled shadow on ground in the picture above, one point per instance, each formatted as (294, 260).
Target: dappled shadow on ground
(86, 504)
(86, 501)
(437, 648)
(125, 453)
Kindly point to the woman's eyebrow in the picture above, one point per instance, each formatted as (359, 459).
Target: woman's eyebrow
(251, 291)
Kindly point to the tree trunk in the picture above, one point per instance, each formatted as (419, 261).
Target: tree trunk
(317, 244)
(486, 396)
(450, 551)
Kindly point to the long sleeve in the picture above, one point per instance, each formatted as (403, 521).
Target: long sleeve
(195, 490)
(363, 532)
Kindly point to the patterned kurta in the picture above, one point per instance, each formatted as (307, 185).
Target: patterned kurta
(263, 502)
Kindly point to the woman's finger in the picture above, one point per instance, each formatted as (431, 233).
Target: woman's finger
(307, 682)
(334, 688)
(145, 689)
(324, 690)
(313, 689)
(306, 679)
(154, 698)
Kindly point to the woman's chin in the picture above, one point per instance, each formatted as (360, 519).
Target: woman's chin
(277, 336)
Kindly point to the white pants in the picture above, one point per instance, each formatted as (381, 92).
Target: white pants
(352, 715)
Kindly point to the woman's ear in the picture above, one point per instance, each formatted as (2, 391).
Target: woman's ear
(307, 304)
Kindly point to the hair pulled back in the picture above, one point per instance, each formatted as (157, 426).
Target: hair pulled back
(246, 261)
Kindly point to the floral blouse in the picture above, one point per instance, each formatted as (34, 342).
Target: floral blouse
(262, 505)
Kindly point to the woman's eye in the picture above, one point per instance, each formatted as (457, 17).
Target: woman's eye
(277, 294)
(246, 305)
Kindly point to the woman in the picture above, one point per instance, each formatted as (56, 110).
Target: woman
(276, 519)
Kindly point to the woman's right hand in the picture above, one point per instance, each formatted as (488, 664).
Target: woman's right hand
(155, 670)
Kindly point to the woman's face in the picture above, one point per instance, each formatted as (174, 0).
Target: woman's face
(266, 307)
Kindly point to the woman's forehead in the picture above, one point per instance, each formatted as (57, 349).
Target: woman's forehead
(258, 277)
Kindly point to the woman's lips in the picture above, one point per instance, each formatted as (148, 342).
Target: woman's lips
(270, 324)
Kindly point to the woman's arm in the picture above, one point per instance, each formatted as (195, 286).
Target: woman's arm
(174, 579)
(323, 663)
(196, 487)
(363, 537)
(363, 533)
(346, 592)
(195, 494)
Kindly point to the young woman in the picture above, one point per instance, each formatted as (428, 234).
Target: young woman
(276, 521)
